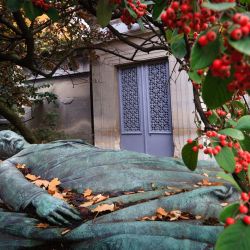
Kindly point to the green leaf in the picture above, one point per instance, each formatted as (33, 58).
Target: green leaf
(245, 144)
(202, 57)
(214, 118)
(225, 159)
(236, 236)
(159, 6)
(193, 75)
(178, 48)
(244, 123)
(229, 178)
(232, 132)
(218, 6)
(14, 5)
(52, 13)
(230, 211)
(190, 158)
(31, 11)
(104, 12)
(241, 45)
(214, 91)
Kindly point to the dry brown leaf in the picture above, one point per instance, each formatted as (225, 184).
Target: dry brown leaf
(41, 183)
(126, 193)
(20, 166)
(161, 211)
(174, 215)
(103, 208)
(42, 225)
(154, 217)
(65, 231)
(32, 177)
(58, 195)
(87, 204)
(52, 188)
(196, 186)
(198, 217)
(184, 217)
(174, 189)
(167, 193)
(89, 198)
(99, 198)
(87, 192)
(205, 174)
(140, 191)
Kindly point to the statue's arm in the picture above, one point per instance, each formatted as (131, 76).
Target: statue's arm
(17, 193)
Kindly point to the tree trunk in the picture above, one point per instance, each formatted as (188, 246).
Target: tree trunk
(15, 120)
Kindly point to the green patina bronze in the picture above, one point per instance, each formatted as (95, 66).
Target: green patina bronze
(80, 166)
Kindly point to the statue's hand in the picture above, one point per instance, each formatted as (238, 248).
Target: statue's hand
(55, 210)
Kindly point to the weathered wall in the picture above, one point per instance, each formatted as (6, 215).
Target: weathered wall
(73, 105)
(106, 98)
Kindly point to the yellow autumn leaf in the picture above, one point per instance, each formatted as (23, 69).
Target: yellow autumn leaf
(87, 204)
(103, 208)
(31, 177)
(161, 211)
(41, 183)
(87, 192)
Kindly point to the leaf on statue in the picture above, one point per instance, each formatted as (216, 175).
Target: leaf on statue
(161, 211)
(104, 208)
(190, 158)
(42, 225)
(236, 236)
(99, 198)
(150, 218)
(32, 177)
(41, 183)
(87, 192)
(58, 195)
(52, 188)
(87, 204)
(20, 166)
(174, 215)
(65, 231)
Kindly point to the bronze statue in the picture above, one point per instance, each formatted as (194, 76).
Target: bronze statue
(79, 166)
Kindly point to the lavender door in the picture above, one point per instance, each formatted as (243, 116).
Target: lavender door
(145, 109)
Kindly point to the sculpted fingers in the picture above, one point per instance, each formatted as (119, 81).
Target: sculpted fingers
(53, 221)
(59, 219)
(69, 212)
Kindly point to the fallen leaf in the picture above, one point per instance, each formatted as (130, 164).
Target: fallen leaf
(89, 198)
(20, 166)
(65, 231)
(87, 192)
(52, 188)
(198, 217)
(126, 193)
(154, 217)
(174, 215)
(103, 208)
(161, 211)
(42, 225)
(58, 195)
(87, 204)
(41, 183)
(140, 191)
(196, 186)
(99, 198)
(31, 177)
(205, 174)
(167, 193)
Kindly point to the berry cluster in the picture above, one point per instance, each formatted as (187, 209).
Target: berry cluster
(209, 37)
(42, 4)
(242, 161)
(182, 17)
(241, 26)
(242, 212)
(222, 67)
(138, 8)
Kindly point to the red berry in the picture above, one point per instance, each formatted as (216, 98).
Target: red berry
(175, 5)
(244, 196)
(203, 41)
(211, 36)
(243, 209)
(195, 149)
(230, 221)
(246, 219)
(236, 34)
(189, 141)
(217, 63)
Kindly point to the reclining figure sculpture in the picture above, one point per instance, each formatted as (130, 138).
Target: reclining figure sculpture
(79, 166)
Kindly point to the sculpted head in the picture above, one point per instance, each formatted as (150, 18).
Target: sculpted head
(10, 144)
